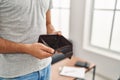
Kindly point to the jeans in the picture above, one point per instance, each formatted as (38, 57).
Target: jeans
(43, 74)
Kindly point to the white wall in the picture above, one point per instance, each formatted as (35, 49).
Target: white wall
(107, 67)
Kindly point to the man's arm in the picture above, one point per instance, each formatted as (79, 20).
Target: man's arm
(9, 46)
(50, 28)
(36, 49)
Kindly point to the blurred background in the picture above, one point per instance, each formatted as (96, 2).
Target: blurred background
(94, 28)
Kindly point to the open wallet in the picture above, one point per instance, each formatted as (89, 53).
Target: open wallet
(59, 43)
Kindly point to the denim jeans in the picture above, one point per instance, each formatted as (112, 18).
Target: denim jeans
(43, 74)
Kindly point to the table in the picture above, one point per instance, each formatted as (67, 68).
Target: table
(68, 62)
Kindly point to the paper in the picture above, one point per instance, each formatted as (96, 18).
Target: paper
(73, 72)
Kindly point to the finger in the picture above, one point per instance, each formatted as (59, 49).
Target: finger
(47, 49)
(43, 54)
(46, 54)
(57, 33)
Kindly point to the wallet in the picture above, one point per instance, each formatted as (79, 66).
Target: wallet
(59, 43)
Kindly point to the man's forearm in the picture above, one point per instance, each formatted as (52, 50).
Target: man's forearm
(7, 46)
(50, 28)
(37, 50)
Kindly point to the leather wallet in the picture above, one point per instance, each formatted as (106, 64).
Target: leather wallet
(57, 42)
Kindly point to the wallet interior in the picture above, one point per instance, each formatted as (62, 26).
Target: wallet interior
(57, 42)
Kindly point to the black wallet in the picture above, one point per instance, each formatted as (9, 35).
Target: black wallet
(57, 42)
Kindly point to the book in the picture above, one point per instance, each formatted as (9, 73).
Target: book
(75, 72)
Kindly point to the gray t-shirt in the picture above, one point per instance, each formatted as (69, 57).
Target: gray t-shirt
(22, 21)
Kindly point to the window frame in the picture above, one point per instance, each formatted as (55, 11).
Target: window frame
(87, 34)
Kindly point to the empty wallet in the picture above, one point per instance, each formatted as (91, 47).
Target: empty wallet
(59, 43)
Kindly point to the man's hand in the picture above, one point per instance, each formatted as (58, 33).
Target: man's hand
(39, 50)
(56, 32)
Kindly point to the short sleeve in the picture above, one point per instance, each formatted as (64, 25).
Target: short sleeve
(51, 4)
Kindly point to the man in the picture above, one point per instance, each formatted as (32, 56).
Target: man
(21, 23)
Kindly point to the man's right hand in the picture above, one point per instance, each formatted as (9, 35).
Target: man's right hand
(38, 50)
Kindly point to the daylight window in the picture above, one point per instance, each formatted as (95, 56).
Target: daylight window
(103, 20)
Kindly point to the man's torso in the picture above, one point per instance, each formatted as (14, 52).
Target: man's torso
(22, 21)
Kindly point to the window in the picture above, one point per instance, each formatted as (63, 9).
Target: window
(60, 16)
(102, 26)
